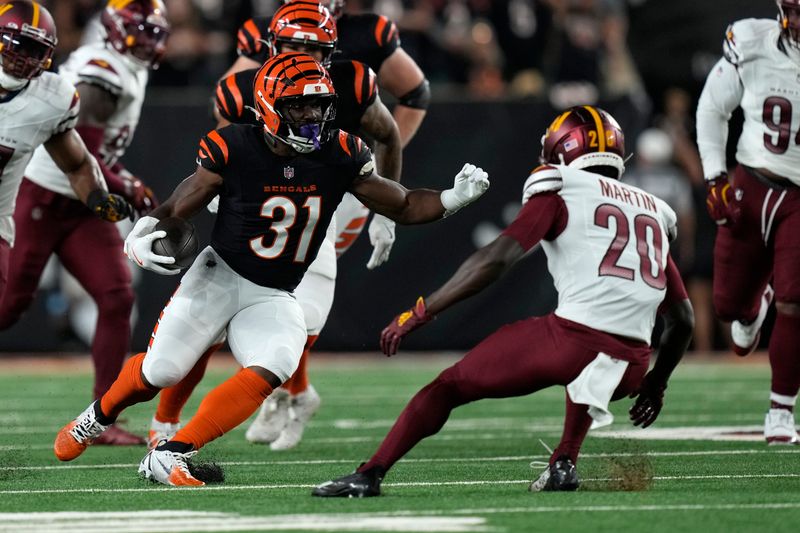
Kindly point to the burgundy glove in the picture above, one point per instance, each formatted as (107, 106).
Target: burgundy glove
(720, 204)
(649, 401)
(139, 195)
(402, 325)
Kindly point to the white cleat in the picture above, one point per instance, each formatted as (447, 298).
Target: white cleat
(303, 408)
(779, 427)
(168, 468)
(271, 419)
(745, 336)
(161, 431)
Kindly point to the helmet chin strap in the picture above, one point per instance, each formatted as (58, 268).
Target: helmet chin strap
(10, 83)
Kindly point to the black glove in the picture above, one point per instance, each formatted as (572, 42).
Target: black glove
(649, 401)
(111, 207)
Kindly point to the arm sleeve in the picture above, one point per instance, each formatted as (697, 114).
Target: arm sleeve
(234, 94)
(720, 97)
(213, 152)
(387, 37)
(93, 139)
(101, 73)
(366, 88)
(70, 119)
(544, 216)
(249, 39)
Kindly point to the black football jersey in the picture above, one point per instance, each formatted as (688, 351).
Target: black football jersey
(355, 89)
(365, 37)
(274, 211)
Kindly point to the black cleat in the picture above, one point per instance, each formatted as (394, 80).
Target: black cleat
(356, 485)
(559, 476)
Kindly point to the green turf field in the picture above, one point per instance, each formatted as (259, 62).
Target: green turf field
(473, 476)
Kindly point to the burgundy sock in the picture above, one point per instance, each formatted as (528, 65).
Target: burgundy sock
(576, 426)
(424, 416)
(111, 339)
(775, 405)
(784, 356)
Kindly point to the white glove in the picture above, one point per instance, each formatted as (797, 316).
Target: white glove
(381, 236)
(213, 205)
(139, 247)
(468, 186)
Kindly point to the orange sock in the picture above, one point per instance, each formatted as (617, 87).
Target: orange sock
(225, 407)
(299, 381)
(129, 389)
(172, 399)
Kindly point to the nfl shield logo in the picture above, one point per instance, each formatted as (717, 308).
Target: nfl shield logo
(288, 172)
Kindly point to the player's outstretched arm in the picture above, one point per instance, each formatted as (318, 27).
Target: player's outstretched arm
(73, 159)
(678, 328)
(418, 206)
(480, 270)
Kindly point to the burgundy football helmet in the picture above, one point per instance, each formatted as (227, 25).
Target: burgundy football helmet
(585, 136)
(789, 17)
(27, 39)
(138, 27)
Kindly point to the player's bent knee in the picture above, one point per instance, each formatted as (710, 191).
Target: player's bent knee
(161, 372)
(282, 361)
(116, 302)
(788, 308)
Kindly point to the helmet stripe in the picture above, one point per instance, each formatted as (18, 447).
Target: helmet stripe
(36, 11)
(5, 8)
(601, 133)
(559, 121)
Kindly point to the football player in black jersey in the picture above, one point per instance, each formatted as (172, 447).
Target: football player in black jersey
(306, 27)
(366, 37)
(279, 185)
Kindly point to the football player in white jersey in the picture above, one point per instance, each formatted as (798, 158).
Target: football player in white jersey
(607, 247)
(39, 108)
(111, 77)
(757, 207)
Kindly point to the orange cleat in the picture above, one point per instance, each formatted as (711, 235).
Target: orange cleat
(73, 438)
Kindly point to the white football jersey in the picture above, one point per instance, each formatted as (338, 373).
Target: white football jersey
(47, 106)
(608, 265)
(760, 74)
(96, 64)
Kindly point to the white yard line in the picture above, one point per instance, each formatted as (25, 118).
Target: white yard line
(400, 484)
(497, 459)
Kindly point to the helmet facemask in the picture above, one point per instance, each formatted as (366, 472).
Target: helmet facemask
(24, 57)
(305, 120)
(789, 18)
(304, 46)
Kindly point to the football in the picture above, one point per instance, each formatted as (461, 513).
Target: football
(180, 242)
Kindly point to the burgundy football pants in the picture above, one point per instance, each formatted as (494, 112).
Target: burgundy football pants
(91, 250)
(763, 244)
(516, 360)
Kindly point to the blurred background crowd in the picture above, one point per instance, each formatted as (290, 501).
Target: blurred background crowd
(648, 57)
